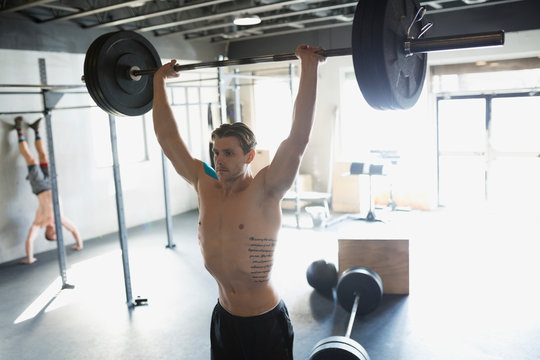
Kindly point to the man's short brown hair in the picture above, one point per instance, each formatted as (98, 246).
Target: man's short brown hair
(239, 130)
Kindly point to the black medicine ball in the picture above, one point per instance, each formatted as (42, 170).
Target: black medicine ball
(322, 276)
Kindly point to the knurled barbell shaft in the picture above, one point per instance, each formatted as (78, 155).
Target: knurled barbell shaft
(244, 61)
(412, 46)
(353, 315)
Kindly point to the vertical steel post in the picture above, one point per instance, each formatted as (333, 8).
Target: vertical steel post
(61, 251)
(237, 107)
(221, 92)
(168, 217)
(120, 211)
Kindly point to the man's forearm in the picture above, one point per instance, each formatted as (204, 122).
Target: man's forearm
(29, 243)
(78, 239)
(304, 105)
(68, 224)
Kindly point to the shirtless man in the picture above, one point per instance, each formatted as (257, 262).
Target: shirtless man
(41, 186)
(240, 217)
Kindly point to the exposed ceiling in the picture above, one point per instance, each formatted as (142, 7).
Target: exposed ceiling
(212, 21)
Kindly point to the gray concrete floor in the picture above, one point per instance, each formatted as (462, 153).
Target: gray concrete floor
(474, 292)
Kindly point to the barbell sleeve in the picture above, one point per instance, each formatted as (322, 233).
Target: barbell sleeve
(456, 42)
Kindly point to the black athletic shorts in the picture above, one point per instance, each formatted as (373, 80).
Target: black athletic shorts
(39, 178)
(263, 337)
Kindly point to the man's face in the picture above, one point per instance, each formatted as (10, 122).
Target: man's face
(229, 159)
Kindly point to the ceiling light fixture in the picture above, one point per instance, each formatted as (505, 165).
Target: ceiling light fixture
(472, 2)
(247, 19)
(134, 4)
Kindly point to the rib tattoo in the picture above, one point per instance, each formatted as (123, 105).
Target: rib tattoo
(261, 254)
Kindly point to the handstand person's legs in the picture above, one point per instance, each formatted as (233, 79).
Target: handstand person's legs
(38, 176)
(23, 145)
(43, 158)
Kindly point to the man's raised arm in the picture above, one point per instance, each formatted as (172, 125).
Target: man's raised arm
(166, 129)
(284, 167)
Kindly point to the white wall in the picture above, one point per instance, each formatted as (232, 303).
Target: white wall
(86, 190)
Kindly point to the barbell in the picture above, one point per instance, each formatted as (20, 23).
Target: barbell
(388, 49)
(359, 290)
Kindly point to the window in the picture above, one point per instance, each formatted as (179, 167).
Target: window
(273, 113)
(362, 129)
(462, 151)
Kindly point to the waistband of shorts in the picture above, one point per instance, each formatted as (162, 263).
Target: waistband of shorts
(270, 313)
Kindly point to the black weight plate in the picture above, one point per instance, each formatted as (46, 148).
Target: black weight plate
(363, 281)
(112, 87)
(94, 74)
(118, 54)
(91, 72)
(387, 77)
(338, 348)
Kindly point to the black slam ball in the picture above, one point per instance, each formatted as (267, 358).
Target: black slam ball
(322, 276)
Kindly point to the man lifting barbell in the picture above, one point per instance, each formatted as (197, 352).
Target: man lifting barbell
(240, 217)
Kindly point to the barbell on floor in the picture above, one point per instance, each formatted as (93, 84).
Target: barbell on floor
(359, 290)
(388, 49)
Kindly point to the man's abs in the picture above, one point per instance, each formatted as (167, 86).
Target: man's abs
(238, 245)
(241, 261)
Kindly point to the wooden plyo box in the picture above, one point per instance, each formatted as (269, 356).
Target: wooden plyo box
(388, 258)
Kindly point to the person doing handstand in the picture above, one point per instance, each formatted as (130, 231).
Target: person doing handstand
(240, 218)
(39, 179)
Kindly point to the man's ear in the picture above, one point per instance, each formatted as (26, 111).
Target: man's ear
(251, 156)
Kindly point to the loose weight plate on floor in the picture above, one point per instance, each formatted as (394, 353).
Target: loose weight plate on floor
(388, 79)
(365, 283)
(338, 348)
(107, 76)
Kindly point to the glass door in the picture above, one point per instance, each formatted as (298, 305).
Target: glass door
(514, 162)
(462, 144)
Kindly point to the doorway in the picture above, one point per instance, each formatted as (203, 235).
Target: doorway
(489, 150)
